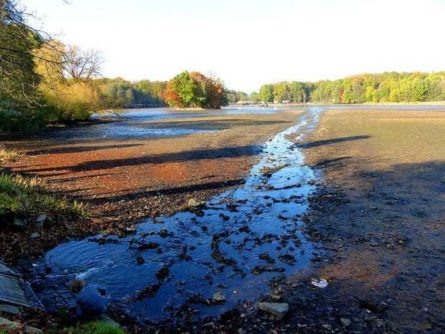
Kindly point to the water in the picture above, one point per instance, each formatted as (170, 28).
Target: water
(234, 245)
(150, 123)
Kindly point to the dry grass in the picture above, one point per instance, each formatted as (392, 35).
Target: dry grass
(8, 155)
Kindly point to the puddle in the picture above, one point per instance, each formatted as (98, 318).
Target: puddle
(235, 245)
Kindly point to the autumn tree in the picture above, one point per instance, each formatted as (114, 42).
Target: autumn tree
(195, 90)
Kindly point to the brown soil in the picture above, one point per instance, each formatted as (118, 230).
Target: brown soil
(379, 218)
(123, 181)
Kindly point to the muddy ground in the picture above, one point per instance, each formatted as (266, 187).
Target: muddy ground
(379, 214)
(380, 217)
(122, 180)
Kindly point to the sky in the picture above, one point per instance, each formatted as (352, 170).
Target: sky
(248, 43)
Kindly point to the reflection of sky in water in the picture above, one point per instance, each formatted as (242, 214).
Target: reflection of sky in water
(218, 249)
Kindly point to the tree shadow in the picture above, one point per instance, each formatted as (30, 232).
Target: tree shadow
(155, 159)
(319, 143)
(166, 191)
(78, 149)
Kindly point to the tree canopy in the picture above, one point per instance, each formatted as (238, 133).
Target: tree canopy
(365, 88)
(195, 90)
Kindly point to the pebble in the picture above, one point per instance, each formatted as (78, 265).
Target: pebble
(218, 297)
(279, 310)
(345, 321)
(35, 235)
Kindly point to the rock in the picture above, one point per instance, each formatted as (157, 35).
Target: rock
(346, 322)
(279, 310)
(18, 222)
(76, 285)
(91, 302)
(218, 297)
(35, 235)
(41, 220)
(130, 229)
(17, 327)
(193, 203)
(321, 283)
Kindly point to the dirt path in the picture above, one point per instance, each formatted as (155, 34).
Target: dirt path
(123, 180)
(380, 217)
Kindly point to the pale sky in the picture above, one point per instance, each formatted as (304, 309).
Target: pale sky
(251, 42)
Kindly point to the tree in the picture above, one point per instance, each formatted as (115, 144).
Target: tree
(19, 99)
(81, 64)
(193, 89)
(267, 93)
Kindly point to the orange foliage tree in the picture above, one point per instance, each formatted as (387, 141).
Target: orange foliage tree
(194, 89)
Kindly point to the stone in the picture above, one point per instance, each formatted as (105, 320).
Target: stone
(218, 297)
(346, 322)
(40, 220)
(18, 222)
(35, 235)
(279, 310)
(92, 302)
(193, 203)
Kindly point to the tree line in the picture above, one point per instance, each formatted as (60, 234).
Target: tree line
(366, 88)
(44, 81)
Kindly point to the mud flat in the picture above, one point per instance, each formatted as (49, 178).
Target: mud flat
(143, 163)
(204, 261)
(380, 217)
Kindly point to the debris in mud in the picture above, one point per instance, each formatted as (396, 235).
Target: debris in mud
(279, 310)
(103, 240)
(266, 257)
(140, 260)
(183, 255)
(147, 292)
(268, 171)
(258, 270)
(216, 252)
(144, 246)
(76, 285)
(321, 283)
(288, 258)
(163, 273)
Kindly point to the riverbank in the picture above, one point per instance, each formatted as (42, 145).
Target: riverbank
(380, 219)
(122, 180)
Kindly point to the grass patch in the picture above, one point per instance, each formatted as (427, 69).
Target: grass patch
(26, 198)
(97, 327)
(7, 155)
